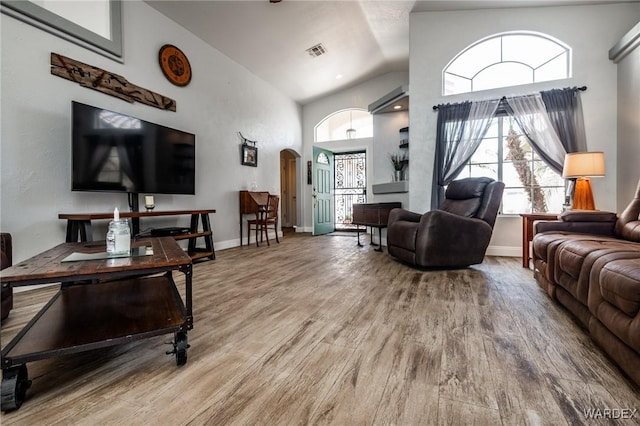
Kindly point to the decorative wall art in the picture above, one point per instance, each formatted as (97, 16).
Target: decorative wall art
(107, 82)
(174, 65)
(248, 152)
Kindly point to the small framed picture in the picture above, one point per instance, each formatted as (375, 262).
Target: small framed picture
(249, 155)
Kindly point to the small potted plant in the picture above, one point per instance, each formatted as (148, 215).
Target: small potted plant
(398, 161)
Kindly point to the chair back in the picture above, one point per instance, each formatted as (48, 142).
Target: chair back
(478, 197)
(272, 207)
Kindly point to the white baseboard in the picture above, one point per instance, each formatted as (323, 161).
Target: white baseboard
(506, 251)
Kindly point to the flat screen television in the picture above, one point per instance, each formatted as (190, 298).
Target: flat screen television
(119, 153)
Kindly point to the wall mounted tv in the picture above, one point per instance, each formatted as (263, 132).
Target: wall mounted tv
(119, 153)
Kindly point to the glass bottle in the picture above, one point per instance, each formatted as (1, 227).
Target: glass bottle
(118, 236)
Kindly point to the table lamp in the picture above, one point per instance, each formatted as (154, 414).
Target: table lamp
(582, 166)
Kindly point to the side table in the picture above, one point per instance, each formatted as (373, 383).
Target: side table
(527, 232)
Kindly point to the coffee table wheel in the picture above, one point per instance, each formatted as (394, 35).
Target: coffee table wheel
(182, 345)
(15, 383)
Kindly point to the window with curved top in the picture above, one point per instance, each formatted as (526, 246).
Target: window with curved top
(343, 125)
(507, 59)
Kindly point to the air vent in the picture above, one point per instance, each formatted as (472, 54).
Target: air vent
(316, 50)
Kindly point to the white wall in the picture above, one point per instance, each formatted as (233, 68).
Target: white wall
(628, 124)
(436, 37)
(359, 96)
(222, 99)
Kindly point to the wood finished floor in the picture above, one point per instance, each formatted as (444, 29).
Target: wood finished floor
(318, 331)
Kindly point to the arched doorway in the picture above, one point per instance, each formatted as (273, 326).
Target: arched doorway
(289, 189)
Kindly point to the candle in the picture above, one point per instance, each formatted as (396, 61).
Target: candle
(148, 200)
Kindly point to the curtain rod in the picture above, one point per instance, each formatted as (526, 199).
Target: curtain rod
(582, 89)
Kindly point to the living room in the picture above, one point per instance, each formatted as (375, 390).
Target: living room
(224, 98)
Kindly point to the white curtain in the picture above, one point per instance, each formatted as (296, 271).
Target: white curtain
(531, 115)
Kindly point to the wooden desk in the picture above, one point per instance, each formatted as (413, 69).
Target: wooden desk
(375, 215)
(527, 232)
(252, 202)
(100, 303)
(79, 228)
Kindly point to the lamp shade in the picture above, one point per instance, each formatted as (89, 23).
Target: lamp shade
(583, 164)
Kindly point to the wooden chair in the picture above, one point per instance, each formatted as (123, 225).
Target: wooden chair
(266, 216)
(271, 218)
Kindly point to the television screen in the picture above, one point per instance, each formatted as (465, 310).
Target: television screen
(117, 152)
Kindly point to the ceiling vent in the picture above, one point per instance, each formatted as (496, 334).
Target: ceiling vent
(316, 50)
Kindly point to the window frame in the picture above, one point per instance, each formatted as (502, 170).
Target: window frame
(44, 19)
(566, 50)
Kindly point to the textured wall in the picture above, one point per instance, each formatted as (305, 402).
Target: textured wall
(222, 99)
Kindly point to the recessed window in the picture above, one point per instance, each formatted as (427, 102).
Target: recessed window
(335, 126)
(507, 59)
(95, 25)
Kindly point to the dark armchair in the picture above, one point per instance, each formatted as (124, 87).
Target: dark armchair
(455, 235)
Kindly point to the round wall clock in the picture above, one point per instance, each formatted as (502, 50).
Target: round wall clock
(175, 65)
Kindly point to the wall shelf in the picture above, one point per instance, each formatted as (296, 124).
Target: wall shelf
(391, 187)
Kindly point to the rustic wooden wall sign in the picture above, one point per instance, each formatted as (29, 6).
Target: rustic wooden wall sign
(107, 82)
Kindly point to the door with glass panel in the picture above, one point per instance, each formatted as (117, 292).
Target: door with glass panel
(350, 186)
(322, 191)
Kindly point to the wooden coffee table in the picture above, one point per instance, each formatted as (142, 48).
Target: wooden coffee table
(102, 302)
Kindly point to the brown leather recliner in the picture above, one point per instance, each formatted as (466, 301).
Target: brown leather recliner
(455, 235)
(6, 249)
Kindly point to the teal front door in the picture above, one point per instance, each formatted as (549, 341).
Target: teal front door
(323, 222)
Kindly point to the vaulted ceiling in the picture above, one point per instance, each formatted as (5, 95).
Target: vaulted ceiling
(362, 38)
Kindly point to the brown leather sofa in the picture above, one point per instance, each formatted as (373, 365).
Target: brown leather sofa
(589, 262)
(455, 235)
(6, 251)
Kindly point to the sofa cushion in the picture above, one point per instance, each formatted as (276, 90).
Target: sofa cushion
(631, 231)
(466, 208)
(614, 295)
(620, 285)
(628, 224)
(464, 196)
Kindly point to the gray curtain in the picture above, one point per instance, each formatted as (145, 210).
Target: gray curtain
(452, 119)
(460, 130)
(564, 109)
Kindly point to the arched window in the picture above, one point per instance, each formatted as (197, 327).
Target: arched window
(345, 124)
(507, 59)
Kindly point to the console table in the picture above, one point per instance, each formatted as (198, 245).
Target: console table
(102, 302)
(527, 232)
(375, 215)
(79, 228)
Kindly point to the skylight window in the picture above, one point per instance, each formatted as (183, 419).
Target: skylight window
(507, 59)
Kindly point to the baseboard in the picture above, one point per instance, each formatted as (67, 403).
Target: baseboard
(506, 251)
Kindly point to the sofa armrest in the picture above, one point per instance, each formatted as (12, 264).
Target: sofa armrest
(597, 228)
(402, 214)
(588, 216)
